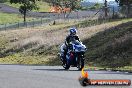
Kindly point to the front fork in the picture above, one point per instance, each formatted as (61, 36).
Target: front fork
(62, 57)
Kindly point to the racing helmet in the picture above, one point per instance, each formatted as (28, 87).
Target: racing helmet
(73, 31)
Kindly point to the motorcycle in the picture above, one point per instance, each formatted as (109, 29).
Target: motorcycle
(74, 56)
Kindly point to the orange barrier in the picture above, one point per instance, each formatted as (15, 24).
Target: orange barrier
(84, 81)
(58, 9)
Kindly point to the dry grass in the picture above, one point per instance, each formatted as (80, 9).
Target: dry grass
(46, 37)
(111, 47)
(28, 39)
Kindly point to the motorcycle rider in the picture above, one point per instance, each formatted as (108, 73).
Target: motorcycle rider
(71, 37)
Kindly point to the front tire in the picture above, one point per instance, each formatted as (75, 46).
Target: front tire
(66, 66)
(81, 64)
(64, 62)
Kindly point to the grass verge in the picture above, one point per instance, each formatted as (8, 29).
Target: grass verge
(43, 6)
(122, 69)
(12, 18)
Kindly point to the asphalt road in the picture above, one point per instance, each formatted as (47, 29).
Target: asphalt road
(21, 76)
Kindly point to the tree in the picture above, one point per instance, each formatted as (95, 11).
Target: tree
(106, 8)
(2, 1)
(96, 6)
(73, 4)
(66, 6)
(25, 6)
(125, 3)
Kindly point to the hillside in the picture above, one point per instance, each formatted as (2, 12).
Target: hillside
(43, 6)
(40, 45)
(12, 18)
(111, 47)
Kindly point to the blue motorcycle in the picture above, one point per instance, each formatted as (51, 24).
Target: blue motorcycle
(74, 55)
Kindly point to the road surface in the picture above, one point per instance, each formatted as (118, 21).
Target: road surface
(22, 76)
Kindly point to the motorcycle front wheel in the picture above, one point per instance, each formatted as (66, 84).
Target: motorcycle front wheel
(80, 63)
(65, 65)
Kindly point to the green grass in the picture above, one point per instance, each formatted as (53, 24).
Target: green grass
(92, 66)
(19, 58)
(11, 18)
(125, 68)
(13, 4)
(43, 6)
(7, 18)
